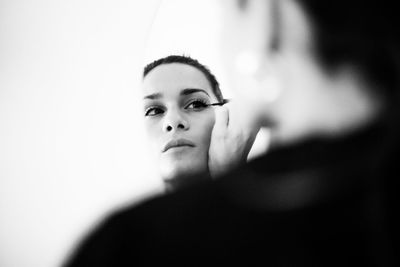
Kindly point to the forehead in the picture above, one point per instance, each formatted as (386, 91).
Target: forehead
(175, 76)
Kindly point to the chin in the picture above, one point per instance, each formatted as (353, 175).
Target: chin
(182, 170)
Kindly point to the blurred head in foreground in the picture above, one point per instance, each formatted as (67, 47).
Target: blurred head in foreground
(178, 119)
(311, 68)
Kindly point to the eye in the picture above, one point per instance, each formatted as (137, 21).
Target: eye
(153, 111)
(197, 104)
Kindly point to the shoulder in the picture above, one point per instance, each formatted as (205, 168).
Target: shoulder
(169, 206)
(127, 234)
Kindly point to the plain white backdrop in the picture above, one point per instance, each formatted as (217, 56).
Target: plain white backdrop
(71, 138)
(71, 145)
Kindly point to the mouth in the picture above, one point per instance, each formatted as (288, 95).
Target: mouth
(177, 143)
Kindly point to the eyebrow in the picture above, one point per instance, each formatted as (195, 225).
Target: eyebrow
(189, 91)
(186, 91)
(153, 96)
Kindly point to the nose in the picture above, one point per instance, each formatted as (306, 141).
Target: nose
(174, 121)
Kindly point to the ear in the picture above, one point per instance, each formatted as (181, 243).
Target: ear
(285, 31)
(295, 28)
(256, 40)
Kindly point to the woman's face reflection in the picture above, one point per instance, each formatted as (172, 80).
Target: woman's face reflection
(178, 119)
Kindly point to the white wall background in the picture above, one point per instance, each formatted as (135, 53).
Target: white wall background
(71, 143)
(71, 135)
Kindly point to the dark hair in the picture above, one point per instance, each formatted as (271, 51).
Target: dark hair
(360, 32)
(191, 62)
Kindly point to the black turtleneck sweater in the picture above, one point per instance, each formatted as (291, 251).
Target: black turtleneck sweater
(318, 203)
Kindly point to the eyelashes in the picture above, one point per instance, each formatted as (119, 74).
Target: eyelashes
(153, 111)
(197, 104)
(192, 105)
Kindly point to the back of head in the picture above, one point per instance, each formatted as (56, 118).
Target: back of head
(360, 32)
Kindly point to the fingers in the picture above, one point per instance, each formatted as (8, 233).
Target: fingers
(234, 121)
(221, 118)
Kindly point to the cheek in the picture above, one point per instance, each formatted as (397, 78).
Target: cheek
(151, 127)
(153, 132)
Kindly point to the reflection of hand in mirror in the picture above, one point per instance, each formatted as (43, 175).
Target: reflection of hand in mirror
(232, 138)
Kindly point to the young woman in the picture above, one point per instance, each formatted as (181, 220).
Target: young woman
(181, 98)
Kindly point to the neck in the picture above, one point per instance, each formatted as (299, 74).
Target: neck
(185, 180)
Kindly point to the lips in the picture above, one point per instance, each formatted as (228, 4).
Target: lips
(177, 143)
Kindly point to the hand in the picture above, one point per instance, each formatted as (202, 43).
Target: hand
(232, 137)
